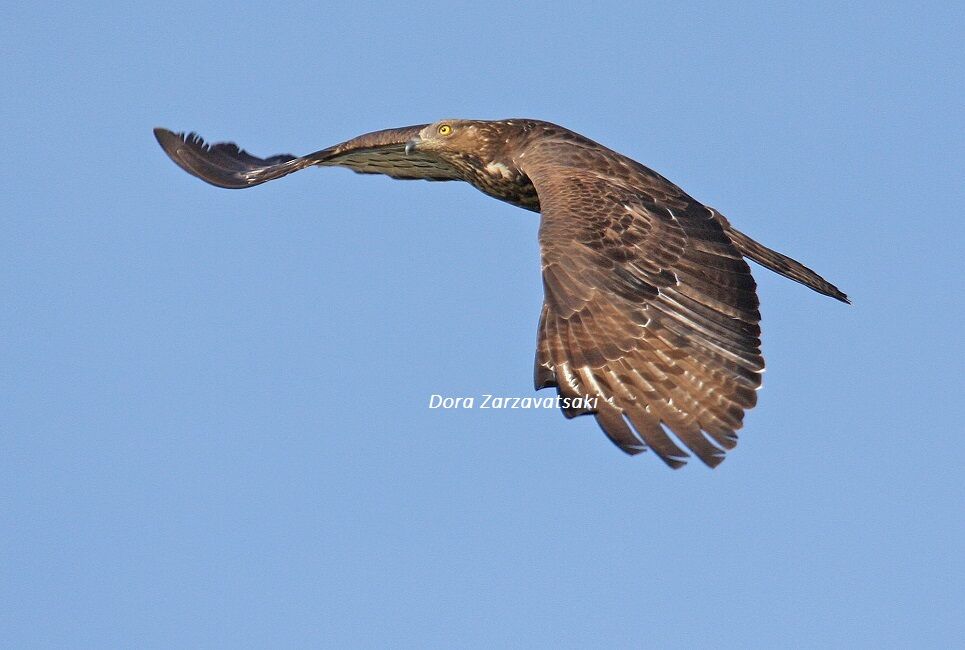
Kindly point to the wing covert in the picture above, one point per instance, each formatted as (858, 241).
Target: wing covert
(647, 305)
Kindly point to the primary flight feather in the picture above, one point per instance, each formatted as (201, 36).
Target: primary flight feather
(649, 306)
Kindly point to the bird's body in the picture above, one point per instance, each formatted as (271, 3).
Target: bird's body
(649, 305)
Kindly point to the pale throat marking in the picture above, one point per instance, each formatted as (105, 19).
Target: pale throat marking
(499, 168)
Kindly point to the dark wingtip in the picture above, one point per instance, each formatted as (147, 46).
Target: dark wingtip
(165, 137)
(222, 164)
(174, 145)
(169, 141)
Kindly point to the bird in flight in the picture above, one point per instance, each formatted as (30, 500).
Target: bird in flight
(650, 317)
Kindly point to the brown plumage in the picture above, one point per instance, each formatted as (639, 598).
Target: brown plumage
(649, 305)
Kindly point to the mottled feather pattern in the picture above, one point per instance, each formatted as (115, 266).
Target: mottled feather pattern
(689, 355)
(649, 305)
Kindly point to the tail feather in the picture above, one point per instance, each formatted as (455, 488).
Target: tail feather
(779, 263)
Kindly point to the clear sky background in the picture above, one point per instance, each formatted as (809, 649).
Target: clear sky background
(214, 428)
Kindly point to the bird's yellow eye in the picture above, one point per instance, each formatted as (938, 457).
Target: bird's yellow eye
(445, 129)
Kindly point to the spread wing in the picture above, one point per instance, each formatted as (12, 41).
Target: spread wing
(380, 152)
(648, 305)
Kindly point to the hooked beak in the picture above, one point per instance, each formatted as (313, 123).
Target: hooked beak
(412, 144)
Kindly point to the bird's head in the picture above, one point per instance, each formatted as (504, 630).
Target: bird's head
(459, 139)
(476, 147)
(451, 137)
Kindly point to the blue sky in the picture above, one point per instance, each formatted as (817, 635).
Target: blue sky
(214, 418)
